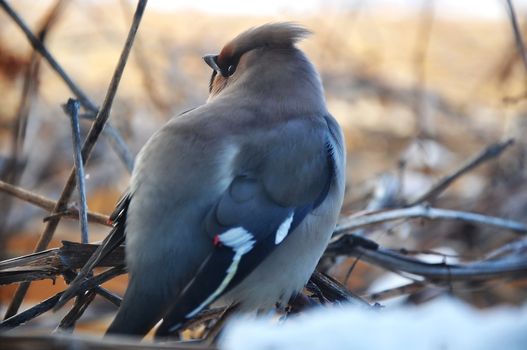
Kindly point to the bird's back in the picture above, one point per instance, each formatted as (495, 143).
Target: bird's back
(236, 199)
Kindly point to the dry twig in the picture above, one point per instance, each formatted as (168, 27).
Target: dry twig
(54, 262)
(488, 153)
(72, 108)
(422, 211)
(396, 292)
(115, 138)
(81, 303)
(421, 50)
(48, 204)
(510, 267)
(48, 304)
(517, 33)
(12, 171)
(91, 139)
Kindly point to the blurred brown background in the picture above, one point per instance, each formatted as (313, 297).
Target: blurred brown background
(418, 87)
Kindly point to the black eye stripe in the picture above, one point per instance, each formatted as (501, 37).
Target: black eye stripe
(212, 80)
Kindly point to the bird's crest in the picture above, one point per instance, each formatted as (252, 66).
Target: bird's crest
(268, 35)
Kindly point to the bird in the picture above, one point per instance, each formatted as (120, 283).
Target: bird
(233, 202)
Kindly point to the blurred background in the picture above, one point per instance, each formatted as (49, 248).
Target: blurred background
(419, 87)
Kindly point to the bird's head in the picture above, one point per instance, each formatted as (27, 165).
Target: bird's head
(263, 60)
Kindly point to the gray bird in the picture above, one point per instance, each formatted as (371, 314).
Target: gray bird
(233, 202)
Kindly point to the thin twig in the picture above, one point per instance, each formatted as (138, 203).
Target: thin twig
(49, 303)
(54, 262)
(422, 211)
(81, 303)
(16, 163)
(69, 275)
(150, 87)
(37, 45)
(72, 108)
(91, 139)
(509, 267)
(396, 292)
(517, 33)
(48, 204)
(488, 153)
(119, 145)
(31, 313)
(421, 49)
(518, 247)
(115, 138)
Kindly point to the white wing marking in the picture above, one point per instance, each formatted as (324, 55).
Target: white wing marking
(283, 230)
(242, 241)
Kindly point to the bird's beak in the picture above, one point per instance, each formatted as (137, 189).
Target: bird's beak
(211, 60)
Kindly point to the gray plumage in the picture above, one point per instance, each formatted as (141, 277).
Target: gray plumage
(255, 174)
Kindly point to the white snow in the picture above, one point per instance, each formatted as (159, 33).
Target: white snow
(444, 324)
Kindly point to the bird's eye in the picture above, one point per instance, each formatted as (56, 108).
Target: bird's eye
(231, 70)
(228, 71)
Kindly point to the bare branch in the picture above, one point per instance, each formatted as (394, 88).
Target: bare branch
(91, 139)
(81, 303)
(488, 153)
(421, 51)
(421, 211)
(115, 138)
(31, 313)
(37, 45)
(48, 204)
(396, 292)
(48, 304)
(72, 108)
(13, 170)
(518, 247)
(510, 267)
(517, 33)
(51, 263)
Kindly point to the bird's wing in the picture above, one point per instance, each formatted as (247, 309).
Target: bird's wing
(251, 218)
